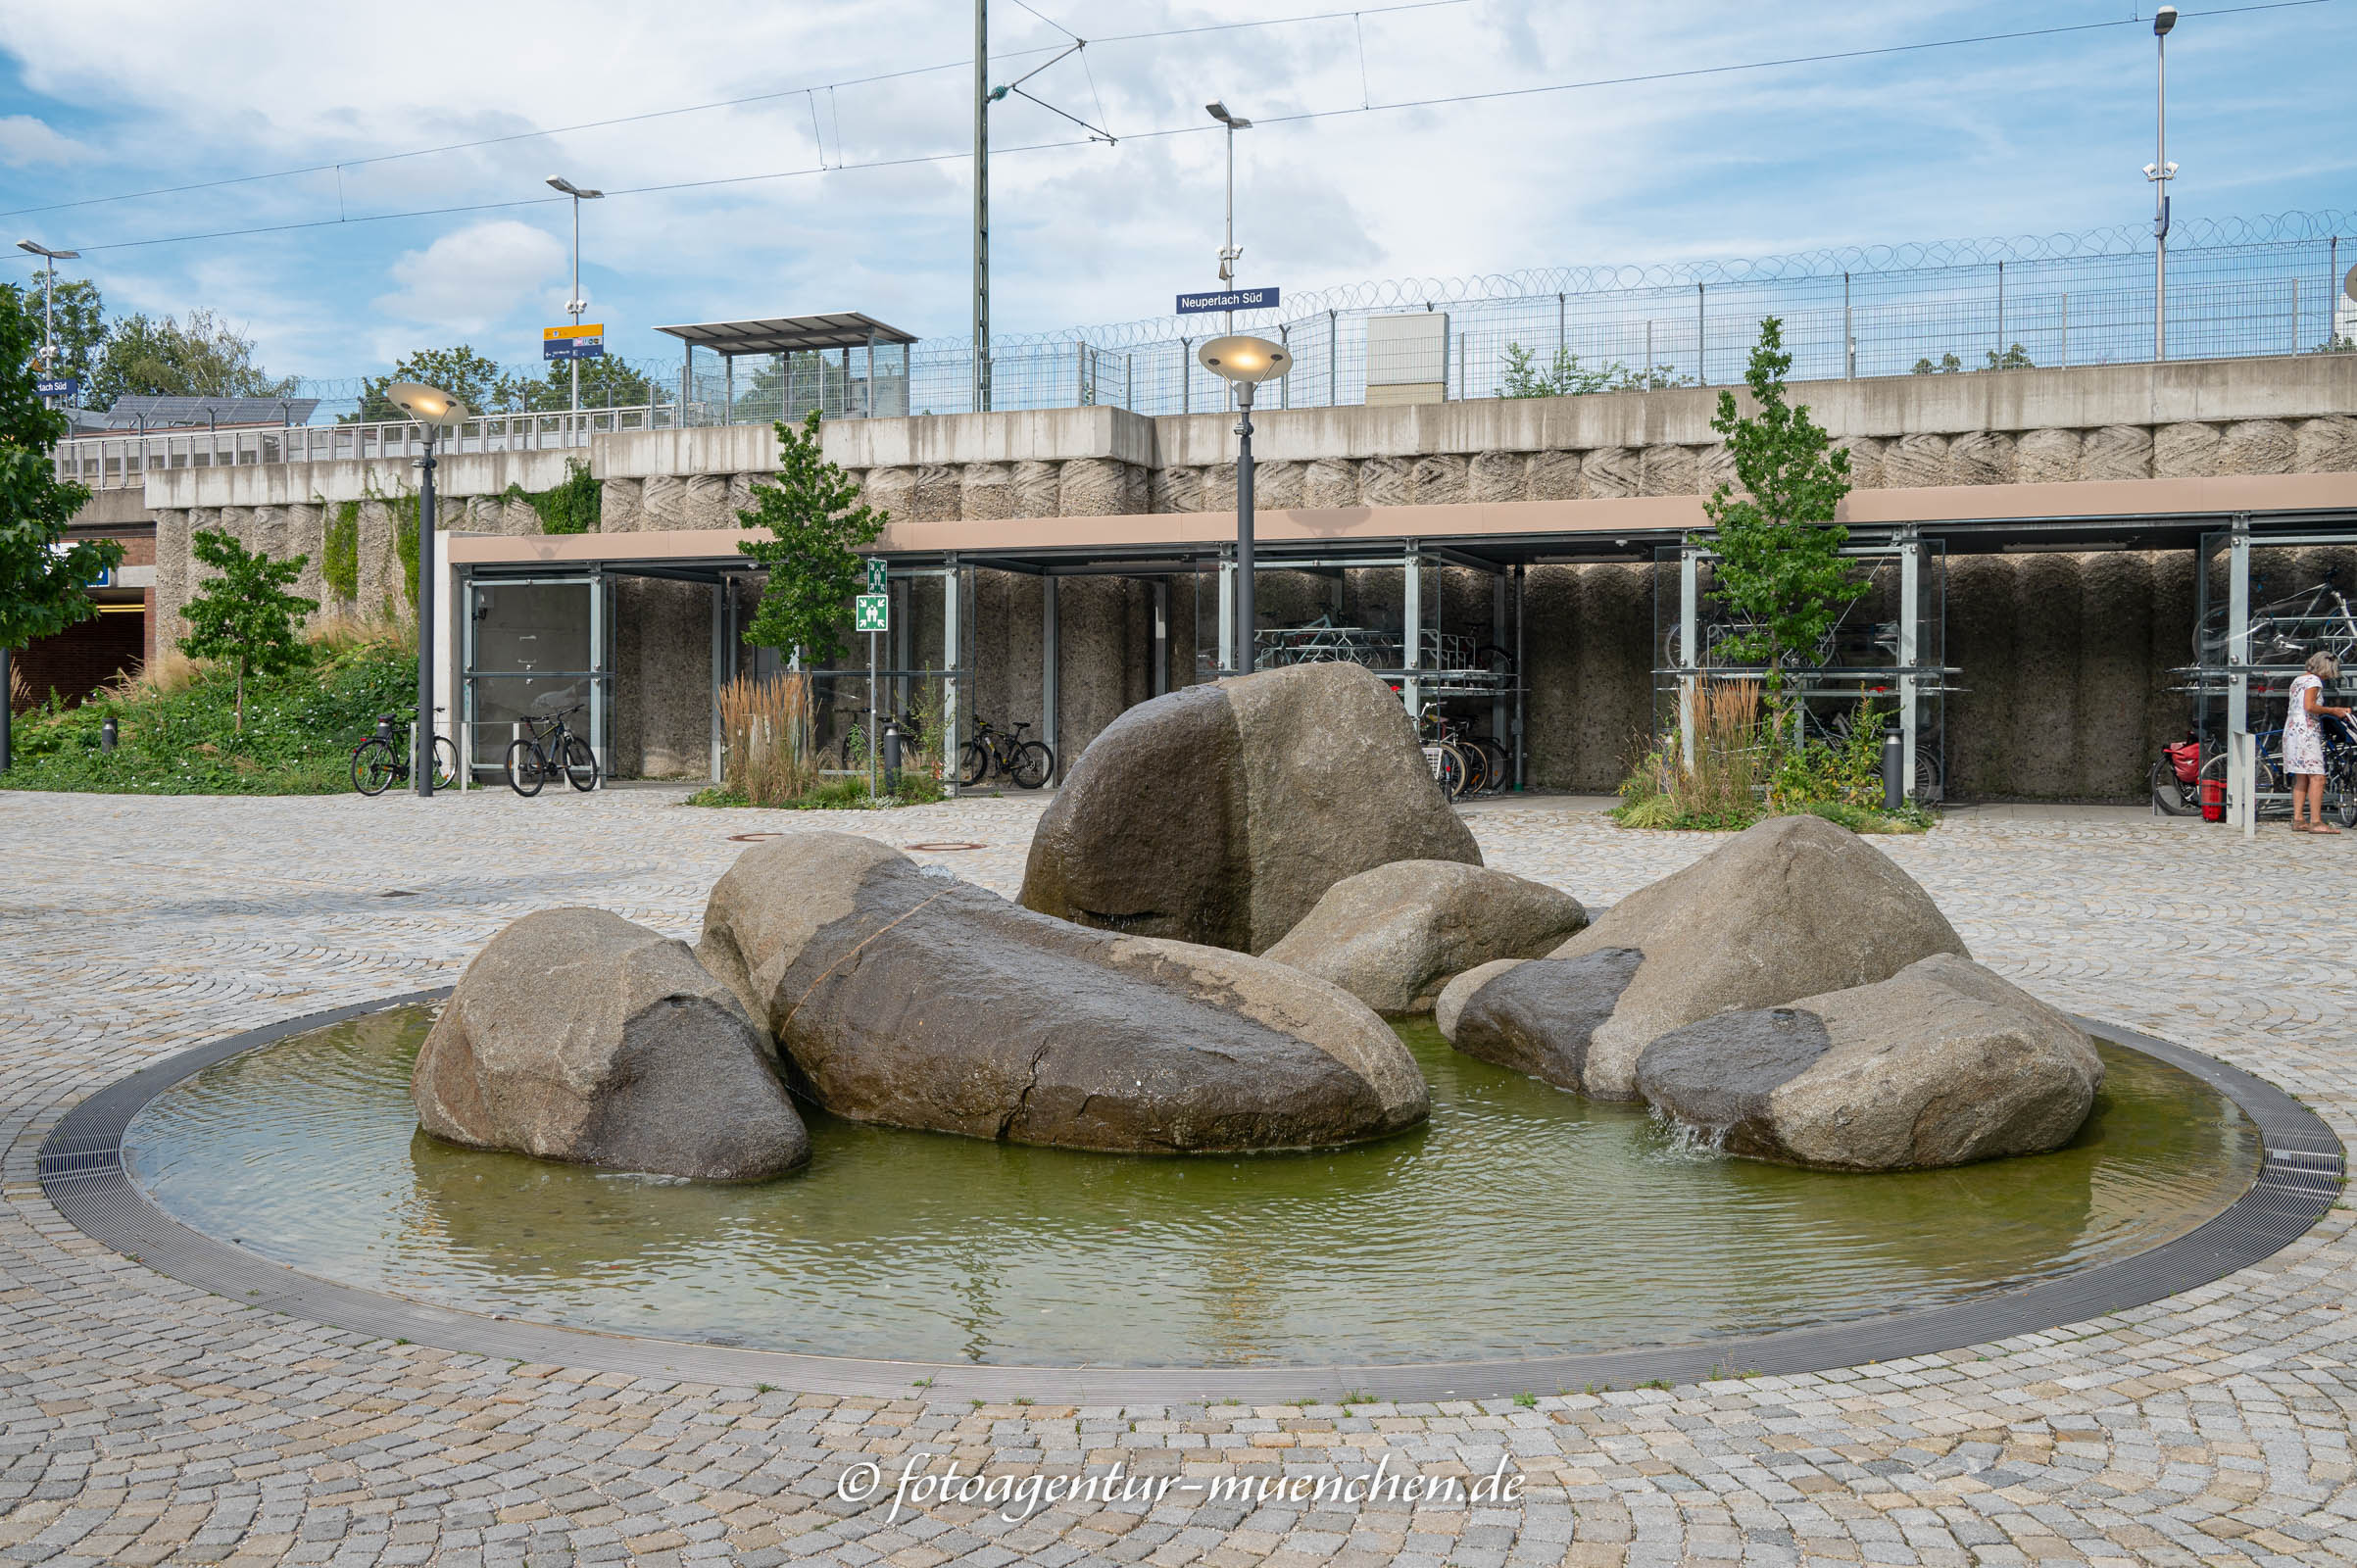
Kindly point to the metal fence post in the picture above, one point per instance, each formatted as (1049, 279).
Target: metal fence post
(1689, 623)
(1701, 339)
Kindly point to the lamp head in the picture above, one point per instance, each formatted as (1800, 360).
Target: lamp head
(1219, 110)
(560, 182)
(2162, 20)
(43, 250)
(428, 405)
(1250, 360)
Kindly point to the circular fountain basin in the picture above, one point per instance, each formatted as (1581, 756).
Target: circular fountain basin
(1521, 1221)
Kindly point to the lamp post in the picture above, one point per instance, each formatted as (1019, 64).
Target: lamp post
(576, 305)
(1227, 251)
(2160, 171)
(436, 410)
(1245, 363)
(48, 298)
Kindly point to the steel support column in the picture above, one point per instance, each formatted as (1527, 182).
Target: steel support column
(952, 645)
(1050, 672)
(1227, 616)
(1689, 567)
(1521, 680)
(1162, 636)
(1910, 643)
(2242, 753)
(1411, 622)
(719, 656)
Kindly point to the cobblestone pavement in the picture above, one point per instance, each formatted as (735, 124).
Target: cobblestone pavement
(142, 1420)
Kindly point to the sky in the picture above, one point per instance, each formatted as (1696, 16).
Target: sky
(777, 160)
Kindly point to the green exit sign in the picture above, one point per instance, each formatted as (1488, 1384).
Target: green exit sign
(871, 613)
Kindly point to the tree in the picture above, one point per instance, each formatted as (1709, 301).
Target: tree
(245, 614)
(80, 326)
(813, 511)
(465, 374)
(1567, 377)
(149, 358)
(1780, 562)
(606, 383)
(41, 575)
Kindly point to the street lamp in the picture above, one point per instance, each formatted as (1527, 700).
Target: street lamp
(1245, 363)
(1228, 252)
(576, 305)
(48, 298)
(2160, 171)
(436, 410)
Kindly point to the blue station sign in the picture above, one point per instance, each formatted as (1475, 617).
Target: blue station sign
(1234, 299)
(58, 386)
(586, 342)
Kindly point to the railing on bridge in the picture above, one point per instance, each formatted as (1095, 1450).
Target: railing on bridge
(119, 461)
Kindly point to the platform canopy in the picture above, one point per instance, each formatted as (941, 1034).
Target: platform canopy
(789, 334)
(129, 412)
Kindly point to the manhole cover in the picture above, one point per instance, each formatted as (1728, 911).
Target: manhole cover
(751, 837)
(942, 848)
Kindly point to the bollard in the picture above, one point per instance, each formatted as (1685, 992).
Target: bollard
(892, 756)
(1894, 793)
(107, 734)
(384, 728)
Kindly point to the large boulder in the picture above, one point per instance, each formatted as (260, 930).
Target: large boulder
(1541, 1017)
(1222, 813)
(1793, 906)
(908, 997)
(1393, 936)
(1941, 1064)
(576, 1035)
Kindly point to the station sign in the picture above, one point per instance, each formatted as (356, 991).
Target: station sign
(871, 613)
(1234, 299)
(584, 342)
(58, 386)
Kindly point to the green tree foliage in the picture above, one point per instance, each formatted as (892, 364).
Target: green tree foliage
(1567, 377)
(814, 511)
(2015, 358)
(79, 323)
(244, 615)
(147, 356)
(41, 575)
(606, 383)
(473, 379)
(1780, 566)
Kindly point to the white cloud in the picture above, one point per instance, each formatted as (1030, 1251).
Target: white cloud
(26, 142)
(467, 281)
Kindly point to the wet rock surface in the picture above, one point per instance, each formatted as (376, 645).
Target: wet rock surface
(1540, 1018)
(1942, 1064)
(576, 1034)
(917, 999)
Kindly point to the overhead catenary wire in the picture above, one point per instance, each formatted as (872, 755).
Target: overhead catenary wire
(1301, 117)
(697, 109)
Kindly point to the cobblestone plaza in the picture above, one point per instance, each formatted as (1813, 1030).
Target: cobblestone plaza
(144, 1420)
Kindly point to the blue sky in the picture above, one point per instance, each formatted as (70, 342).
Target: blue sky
(2036, 135)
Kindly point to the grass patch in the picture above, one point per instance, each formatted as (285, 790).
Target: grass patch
(176, 732)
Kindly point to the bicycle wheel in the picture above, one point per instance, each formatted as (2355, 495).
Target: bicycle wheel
(580, 764)
(374, 767)
(1031, 765)
(1928, 784)
(446, 763)
(973, 761)
(1500, 765)
(1477, 766)
(2173, 795)
(528, 769)
(1450, 770)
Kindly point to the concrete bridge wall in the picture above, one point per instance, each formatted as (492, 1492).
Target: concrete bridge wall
(2066, 654)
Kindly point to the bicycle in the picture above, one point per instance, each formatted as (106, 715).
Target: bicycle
(1456, 766)
(549, 748)
(2269, 778)
(1028, 762)
(377, 765)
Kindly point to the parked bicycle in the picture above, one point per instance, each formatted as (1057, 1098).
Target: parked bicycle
(549, 748)
(1464, 763)
(380, 762)
(2177, 797)
(2284, 631)
(1028, 762)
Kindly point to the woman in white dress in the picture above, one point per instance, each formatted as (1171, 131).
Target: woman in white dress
(2304, 743)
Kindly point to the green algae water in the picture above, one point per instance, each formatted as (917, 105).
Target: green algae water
(1522, 1220)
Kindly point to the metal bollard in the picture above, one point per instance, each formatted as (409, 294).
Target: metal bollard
(892, 756)
(1893, 771)
(107, 734)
